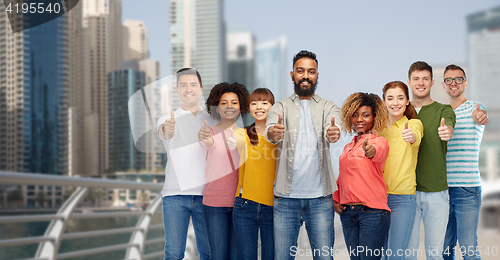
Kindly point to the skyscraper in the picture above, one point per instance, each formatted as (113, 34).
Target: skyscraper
(483, 29)
(271, 67)
(136, 37)
(198, 40)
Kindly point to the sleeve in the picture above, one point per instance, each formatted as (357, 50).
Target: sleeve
(382, 148)
(449, 116)
(272, 117)
(336, 196)
(240, 133)
(481, 106)
(418, 129)
(161, 120)
(332, 110)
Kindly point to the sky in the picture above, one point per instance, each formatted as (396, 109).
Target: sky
(360, 44)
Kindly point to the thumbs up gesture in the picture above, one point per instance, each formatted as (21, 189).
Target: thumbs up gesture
(408, 135)
(333, 132)
(445, 132)
(480, 116)
(168, 127)
(276, 132)
(368, 148)
(205, 135)
(232, 140)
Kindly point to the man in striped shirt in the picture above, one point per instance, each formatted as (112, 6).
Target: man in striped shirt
(464, 181)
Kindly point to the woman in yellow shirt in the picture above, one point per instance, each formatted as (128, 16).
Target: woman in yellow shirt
(253, 206)
(404, 133)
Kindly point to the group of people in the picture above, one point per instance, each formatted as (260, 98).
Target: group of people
(407, 162)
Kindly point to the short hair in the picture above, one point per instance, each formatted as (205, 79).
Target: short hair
(188, 71)
(222, 88)
(454, 67)
(419, 65)
(409, 111)
(259, 94)
(359, 99)
(304, 54)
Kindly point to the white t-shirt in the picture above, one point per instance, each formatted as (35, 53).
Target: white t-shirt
(186, 160)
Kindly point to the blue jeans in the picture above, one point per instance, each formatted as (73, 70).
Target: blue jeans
(402, 220)
(432, 209)
(248, 217)
(465, 204)
(220, 231)
(318, 215)
(176, 213)
(365, 231)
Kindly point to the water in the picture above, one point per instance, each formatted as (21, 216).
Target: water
(18, 230)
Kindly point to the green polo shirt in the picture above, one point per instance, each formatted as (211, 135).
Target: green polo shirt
(431, 164)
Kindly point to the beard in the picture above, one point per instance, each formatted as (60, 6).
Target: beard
(301, 92)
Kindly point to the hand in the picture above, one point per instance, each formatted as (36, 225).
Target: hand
(408, 135)
(480, 116)
(168, 127)
(205, 135)
(338, 207)
(276, 132)
(333, 132)
(368, 148)
(231, 140)
(445, 132)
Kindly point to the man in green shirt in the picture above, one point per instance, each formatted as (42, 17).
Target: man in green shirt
(432, 186)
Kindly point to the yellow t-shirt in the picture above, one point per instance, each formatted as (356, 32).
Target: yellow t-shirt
(399, 169)
(257, 168)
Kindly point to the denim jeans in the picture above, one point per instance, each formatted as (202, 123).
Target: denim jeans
(176, 213)
(220, 231)
(318, 216)
(465, 204)
(402, 220)
(248, 217)
(365, 231)
(432, 209)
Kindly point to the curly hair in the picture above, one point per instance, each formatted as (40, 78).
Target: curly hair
(409, 111)
(359, 99)
(259, 94)
(222, 88)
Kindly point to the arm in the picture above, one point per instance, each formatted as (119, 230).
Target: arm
(417, 129)
(447, 125)
(382, 147)
(274, 126)
(332, 131)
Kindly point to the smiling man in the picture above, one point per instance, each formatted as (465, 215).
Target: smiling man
(185, 172)
(432, 188)
(462, 160)
(303, 126)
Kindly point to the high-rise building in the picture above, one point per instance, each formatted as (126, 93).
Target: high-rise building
(123, 83)
(107, 46)
(34, 79)
(271, 67)
(198, 40)
(136, 37)
(483, 29)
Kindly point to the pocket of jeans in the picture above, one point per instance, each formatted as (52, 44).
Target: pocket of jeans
(367, 209)
(471, 190)
(239, 203)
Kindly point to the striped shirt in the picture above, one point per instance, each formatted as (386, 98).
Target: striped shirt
(463, 148)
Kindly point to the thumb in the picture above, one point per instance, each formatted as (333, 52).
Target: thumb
(442, 121)
(365, 143)
(477, 107)
(280, 119)
(406, 125)
(232, 131)
(206, 123)
(333, 121)
(172, 114)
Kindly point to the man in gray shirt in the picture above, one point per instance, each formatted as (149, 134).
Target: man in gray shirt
(303, 126)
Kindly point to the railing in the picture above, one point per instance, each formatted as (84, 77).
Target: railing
(49, 243)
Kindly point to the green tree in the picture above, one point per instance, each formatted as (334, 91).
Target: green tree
(15, 197)
(40, 198)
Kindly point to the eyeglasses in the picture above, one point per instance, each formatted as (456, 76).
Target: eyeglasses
(457, 80)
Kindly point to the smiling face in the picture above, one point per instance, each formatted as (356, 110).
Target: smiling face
(305, 76)
(229, 106)
(396, 102)
(455, 90)
(362, 119)
(259, 109)
(420, 83)
(189, 91)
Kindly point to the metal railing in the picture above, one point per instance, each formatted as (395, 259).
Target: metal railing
(49, 243)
